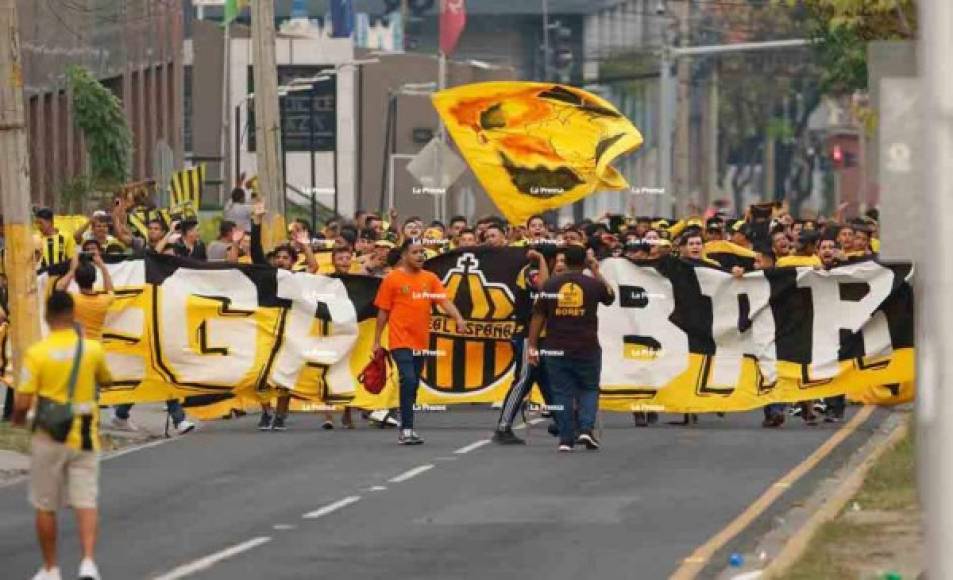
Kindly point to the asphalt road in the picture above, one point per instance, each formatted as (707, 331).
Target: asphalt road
(635, 509)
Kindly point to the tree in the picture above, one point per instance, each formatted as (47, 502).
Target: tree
(842, 29)
(98, 113)
(765, 97)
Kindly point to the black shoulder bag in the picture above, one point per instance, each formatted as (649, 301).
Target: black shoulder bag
(56, 418)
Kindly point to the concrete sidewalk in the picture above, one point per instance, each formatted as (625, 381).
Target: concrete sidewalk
(149, 420)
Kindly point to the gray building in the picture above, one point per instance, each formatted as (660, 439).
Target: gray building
(134, 47)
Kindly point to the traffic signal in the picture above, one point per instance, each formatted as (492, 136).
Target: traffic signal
(837, 156)
(841, 159)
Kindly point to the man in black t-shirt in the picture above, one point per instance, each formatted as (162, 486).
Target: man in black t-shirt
(528, 284)
(567, 305)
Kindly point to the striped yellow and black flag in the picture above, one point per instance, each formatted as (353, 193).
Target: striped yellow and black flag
(187, 189)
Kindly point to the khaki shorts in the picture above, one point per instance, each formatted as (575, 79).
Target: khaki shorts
(61, 476)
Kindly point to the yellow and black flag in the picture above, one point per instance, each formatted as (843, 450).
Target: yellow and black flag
(537, 146)
(187, 187)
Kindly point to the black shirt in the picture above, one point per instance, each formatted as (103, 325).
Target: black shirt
(570, 302)
(527, 287)
(196, 253)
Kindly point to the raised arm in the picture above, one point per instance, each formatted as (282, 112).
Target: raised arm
(257, 253)
(107, 279)
(304, 245)
(63, 283)
(78, 234)
(593, 264)
(543, 266)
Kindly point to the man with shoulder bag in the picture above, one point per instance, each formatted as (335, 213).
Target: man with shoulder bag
(62, 374)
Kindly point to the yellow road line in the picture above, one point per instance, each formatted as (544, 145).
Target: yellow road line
(694, 564)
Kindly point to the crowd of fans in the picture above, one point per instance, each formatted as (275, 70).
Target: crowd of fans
(766, 236)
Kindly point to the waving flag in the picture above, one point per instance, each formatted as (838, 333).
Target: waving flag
(537, 146)
(453, 18)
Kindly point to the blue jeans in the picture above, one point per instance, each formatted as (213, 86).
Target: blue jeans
(574, 381)
(409, 368)
(172, 406)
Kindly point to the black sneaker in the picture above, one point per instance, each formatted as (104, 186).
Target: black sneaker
(279, 423)
(641, 420)
(408, 437)
(327, 425)
(264, 424)
(588, 439)
(507, 437)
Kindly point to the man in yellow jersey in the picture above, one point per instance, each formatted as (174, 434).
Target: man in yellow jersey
(54, 247)
(64, 368)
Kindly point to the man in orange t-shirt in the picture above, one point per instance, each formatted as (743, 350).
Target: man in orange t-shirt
(404, 303)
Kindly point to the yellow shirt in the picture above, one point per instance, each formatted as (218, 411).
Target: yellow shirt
(90, 312)
(792, 261)
(46, 372)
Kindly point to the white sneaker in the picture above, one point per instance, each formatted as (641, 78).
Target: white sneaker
(185, 426)
(51, 574)
(88, 570)
(122, 424)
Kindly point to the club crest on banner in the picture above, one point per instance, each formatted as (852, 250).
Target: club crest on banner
(479, 359)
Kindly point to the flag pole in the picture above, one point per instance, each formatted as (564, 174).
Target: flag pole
(440, 199)
(227, 114)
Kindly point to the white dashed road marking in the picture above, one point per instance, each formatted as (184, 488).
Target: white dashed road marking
(331, 507)
(212, 559)
(411, 473)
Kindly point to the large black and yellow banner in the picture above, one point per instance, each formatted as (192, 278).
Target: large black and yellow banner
(686, 338)
(679, 337)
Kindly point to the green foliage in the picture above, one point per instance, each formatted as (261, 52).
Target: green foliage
(99, 115)
(842, 29)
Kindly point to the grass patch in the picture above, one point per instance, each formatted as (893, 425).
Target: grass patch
(842, 548)
(891, 483)
(12, 439)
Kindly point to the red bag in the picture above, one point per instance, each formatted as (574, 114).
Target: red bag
(374, 376)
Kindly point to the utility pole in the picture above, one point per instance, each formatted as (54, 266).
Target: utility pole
(227, 114)
(683, 13)
(666, 125)
(440, 198)
(267, 119)
(934, 316)
(546, 47)
(15, 190)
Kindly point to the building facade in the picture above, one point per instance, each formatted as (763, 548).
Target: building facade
(134, 47)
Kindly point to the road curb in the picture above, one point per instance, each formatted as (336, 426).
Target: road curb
(780, 547)
(850, 484)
